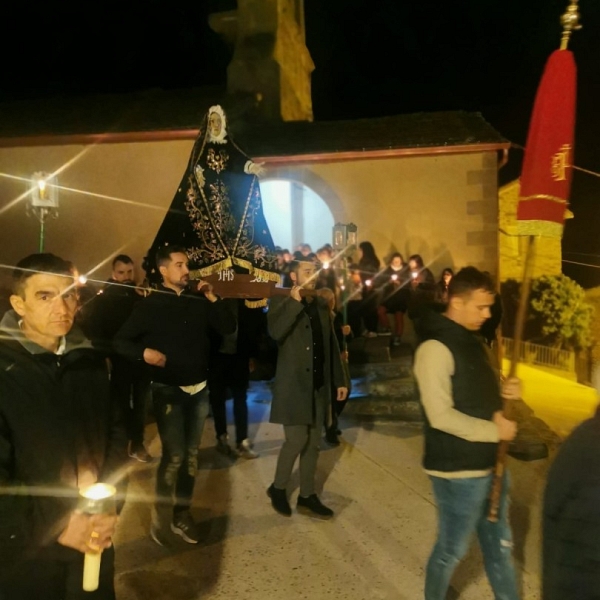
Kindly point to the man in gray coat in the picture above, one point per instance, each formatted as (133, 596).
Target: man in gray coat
(308, 366)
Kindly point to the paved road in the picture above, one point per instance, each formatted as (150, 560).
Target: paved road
(375, 548)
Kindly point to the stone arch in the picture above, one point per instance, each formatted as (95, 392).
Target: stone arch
(303, 175)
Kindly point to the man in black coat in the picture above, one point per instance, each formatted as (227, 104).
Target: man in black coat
(169, 331)
(308, 366)
(571, 527)
(59, 433)
(130, 383)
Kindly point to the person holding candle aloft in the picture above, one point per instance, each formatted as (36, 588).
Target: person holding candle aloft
(59, 433)
(394, 282)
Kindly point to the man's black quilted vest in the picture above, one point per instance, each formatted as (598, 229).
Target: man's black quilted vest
(476, 392)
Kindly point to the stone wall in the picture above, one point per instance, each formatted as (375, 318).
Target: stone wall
(443, 207)
(270, 59)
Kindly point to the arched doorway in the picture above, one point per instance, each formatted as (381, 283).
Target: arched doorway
(295, 214)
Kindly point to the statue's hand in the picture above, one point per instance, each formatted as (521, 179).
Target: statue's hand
(253, 168)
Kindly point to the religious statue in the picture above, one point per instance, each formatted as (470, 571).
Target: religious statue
(217, 212)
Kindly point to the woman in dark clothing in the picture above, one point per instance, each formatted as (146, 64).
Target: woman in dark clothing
(441, 291)
(369, 267)
(343, 334)
(571, 518)
(422, 291)
(419, 272)
(393, 283)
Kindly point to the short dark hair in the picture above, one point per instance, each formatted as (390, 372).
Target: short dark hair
(122, 258)
(294, 264)
(163, 254)
(36, 264)
(470, 279)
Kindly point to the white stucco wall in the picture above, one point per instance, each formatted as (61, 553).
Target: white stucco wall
(443, 207)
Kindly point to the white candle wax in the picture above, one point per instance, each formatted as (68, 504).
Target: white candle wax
(91, 571)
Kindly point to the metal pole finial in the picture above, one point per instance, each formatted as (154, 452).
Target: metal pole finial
(570, 23)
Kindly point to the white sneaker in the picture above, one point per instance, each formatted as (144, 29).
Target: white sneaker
(244, 449)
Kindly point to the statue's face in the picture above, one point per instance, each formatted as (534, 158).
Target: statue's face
(215, 124)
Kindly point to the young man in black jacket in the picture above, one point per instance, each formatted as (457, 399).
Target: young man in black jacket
(169, 331)
(129, 381)
(59, 433)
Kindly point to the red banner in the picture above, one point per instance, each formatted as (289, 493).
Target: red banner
(548, 162)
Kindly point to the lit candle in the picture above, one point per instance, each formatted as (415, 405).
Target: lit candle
(95, 499)
(394, 277)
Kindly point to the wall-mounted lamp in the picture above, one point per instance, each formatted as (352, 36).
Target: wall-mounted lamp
(43, 200)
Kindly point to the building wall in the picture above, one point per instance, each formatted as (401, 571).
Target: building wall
(443, 207)
(513, 247)
(129, 188)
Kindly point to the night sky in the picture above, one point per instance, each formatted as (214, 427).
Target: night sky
(372, 58)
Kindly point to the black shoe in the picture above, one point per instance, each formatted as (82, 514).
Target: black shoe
(331, 437)
(184, 525)
(313, 507)
(279, 501)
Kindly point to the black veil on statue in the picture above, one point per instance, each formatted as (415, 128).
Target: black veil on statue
(217, 212)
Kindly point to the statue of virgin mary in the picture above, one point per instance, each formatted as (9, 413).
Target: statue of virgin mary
(217, 212)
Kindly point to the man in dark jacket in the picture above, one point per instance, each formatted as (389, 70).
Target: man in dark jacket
(169, 331)
(571, 556)
(230, 368)
(59, 434)
(308, 365)
(129, 380)
(462, 398)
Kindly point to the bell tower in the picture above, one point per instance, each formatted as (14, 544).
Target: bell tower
(271, 62)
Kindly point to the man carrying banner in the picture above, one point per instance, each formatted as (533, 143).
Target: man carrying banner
(462, 399)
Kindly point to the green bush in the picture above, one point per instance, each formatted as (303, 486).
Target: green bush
(564, 315)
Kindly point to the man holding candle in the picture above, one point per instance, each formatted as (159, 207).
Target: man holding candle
(59, 434)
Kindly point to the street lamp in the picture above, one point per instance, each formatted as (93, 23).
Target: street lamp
(344, 237)
(344, 243)
(43, 200)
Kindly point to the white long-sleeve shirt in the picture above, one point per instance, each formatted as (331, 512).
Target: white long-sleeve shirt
(433, 369)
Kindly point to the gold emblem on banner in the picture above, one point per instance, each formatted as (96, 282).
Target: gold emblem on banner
(560, 162)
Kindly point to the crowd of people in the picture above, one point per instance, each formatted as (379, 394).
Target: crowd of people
(375, 297)
(74, 386)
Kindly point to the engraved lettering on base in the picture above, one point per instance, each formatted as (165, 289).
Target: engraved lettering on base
(226, 275)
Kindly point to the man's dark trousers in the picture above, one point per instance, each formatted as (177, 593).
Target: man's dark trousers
(180, 419)
(130, 386)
